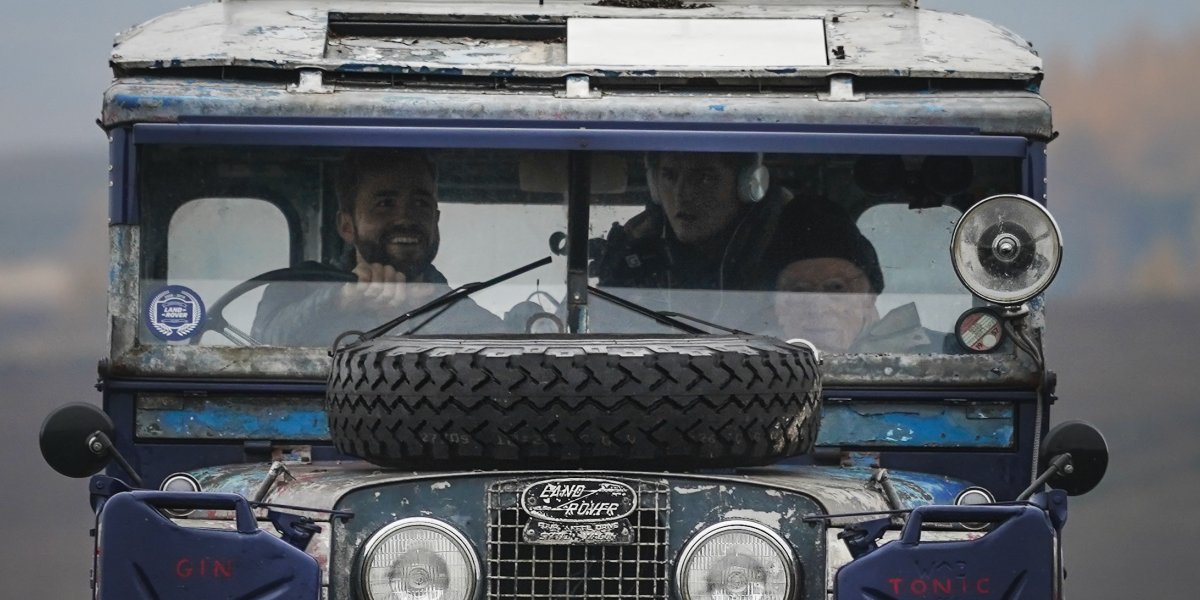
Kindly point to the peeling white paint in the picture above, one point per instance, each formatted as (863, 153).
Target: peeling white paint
(770, 519)
(878, 41)
(694, 490)
(441, 485)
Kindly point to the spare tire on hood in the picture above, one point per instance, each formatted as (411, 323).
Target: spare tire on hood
(573, 401)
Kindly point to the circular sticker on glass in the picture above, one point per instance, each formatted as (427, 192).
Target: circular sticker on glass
(980, 330)
(174, 313)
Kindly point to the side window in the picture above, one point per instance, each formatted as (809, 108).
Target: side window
(215, 243)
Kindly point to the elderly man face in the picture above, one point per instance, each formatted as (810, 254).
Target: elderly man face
(393, 219)
(698, 193)
(827, 301)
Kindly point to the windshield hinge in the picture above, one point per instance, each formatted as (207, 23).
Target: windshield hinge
(312, 81)
(578, 87)
(841, 89)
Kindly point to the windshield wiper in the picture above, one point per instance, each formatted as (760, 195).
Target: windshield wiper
(445, 300)
(668, 318)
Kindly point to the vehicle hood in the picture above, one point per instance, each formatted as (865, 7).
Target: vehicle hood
(838, 490)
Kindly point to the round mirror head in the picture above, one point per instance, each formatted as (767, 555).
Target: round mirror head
(1089, 456)
(65, 435)
(1006, 249)
(979, 330)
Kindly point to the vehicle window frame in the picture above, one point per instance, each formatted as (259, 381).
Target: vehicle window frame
(127, 355)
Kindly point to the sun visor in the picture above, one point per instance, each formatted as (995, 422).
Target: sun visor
(697, 43)
(546, 172)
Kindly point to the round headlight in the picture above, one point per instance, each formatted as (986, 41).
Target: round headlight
(974, 496)
(419, 559)
(737, 560)
(179, 482)
(1006, 249)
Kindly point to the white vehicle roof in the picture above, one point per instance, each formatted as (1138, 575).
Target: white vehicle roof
(875, 39)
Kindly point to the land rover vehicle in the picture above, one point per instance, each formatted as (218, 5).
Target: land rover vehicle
(598, 436)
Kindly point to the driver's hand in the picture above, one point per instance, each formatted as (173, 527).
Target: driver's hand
(381, 287)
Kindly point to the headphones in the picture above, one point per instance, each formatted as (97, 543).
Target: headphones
(753, 179)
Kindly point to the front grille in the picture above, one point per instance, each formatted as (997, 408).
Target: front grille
(518, 569)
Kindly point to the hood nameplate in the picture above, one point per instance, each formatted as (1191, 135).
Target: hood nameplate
(608, 533)
(579, 500)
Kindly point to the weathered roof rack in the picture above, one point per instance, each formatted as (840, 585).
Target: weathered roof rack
(874, 39)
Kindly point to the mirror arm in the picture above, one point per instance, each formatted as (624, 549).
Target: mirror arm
(1059, 464)
(99, 444)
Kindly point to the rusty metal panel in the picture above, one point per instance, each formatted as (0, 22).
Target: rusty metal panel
(927, 371)
(837, 490)
(135, 100)
(876, 39)
(124, 271)
(892, 424)
(165, 416)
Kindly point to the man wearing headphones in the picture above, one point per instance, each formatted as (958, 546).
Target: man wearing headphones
(708, 224)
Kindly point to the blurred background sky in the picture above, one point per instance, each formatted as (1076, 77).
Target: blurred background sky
(1124, 185)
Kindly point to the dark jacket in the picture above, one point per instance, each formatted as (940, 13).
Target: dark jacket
(644, 253)
(295, 313)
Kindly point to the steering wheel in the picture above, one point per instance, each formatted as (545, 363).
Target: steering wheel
(309, 271)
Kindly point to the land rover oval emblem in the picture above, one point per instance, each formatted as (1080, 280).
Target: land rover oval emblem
(579, 500)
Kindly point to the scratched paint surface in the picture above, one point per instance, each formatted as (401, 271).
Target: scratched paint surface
(833, 489)
(928, 425)
(875, 39)
(140, 99)
(694, 504)
(779, 497)
(173, 417)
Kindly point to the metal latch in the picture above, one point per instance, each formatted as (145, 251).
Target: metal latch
(841, 89)
(578, 87)
(312, 81)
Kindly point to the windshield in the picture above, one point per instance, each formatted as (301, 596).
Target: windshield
(291, 246)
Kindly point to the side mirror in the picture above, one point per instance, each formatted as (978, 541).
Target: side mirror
(1089, 457)
(71, 440)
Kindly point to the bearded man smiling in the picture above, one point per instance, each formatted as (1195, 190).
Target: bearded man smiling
(388, 217)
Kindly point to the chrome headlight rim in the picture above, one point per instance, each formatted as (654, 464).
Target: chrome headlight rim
(963, 497)
(984, 293)
(772, 537)
(187, 479)
(971, 496)
(455, 536)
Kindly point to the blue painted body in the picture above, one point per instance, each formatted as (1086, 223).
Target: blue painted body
(288, 418)
(905, 423)
(936, 441)
(912, 425)
(200, 564)
(1010, 562)
(967, 449)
